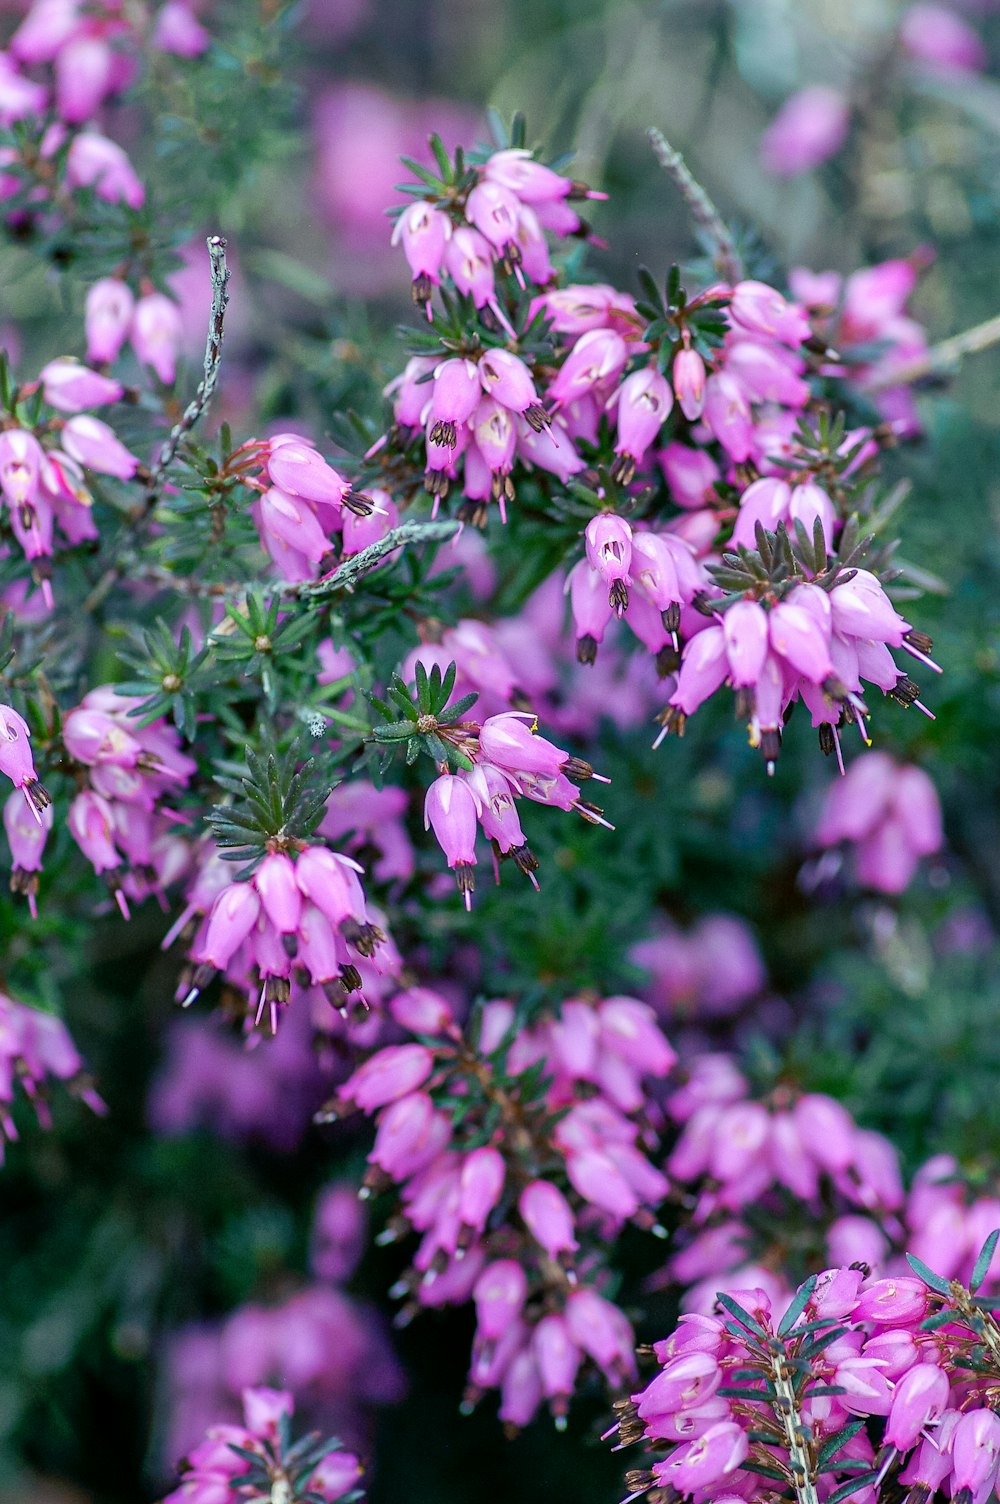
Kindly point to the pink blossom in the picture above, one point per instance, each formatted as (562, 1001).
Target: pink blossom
(698, 1464)
(108, 317)
(811, 126)
(93, 444)
(156, 333)
(935, 35)
(547, 1216)
(70, 386)
(95, 162)
(450, 810)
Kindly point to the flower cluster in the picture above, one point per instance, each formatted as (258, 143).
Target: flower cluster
(330, 1349)
(888, 814)
(521, 1153)
(709, 972)
(756, 1165)
(258, 1459)
(863, 1386)
(151, 323)
(302, 915)
(809, 643)
(865, 319)
(35, 1048)
(506, 760)
(91, 50)
(303, 504)
(120, 818)
(494, 216)
(44, 460)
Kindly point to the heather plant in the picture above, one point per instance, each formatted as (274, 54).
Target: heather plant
(339, 1084)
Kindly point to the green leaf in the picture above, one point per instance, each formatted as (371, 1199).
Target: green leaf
(422, 688)
(422, 173)
(935, 1281)
(799, 1302)
(440, 156)
(851, 1487)
(939, 1318)
(838, 1440)
(743, 1317)
(985, 1259)
(648, 284)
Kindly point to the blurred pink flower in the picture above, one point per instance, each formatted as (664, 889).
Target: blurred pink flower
(359, 133)
(934, 35)
(809, 128)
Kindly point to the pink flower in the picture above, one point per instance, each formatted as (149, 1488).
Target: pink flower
(762, 310)
(234, 914)
(21, 459)
(95, 162)
(704, 667)
(547, 1215)
(745, 628)
(279, 893)
(298, 469)
(499, 1294)
(107, 318)
(975, 1450)
(156, 332)
(608, 541)
(450, 810)
(87, 70)
(811, 126)
(469, 263)
(934, 35)
(263, 1409)
(455, 395)
(506, 740)
(596, 360)
(16, 761)
(178, 31)
(558, 1359)
(93, 444)
(70, 386)
(689, 383)
(495, 212)
(698, 1464)
(480, 1187)
(424, 233)
(919, 1399)
(392, 1073)
(727, 413)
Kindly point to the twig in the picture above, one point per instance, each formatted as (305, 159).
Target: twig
(311, 592)
(941, 358)
(347, 574)
(704, 213)
(213, 357)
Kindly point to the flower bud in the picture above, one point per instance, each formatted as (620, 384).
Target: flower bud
(547, 1215)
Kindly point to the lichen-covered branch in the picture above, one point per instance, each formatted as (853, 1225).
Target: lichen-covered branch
(704, 213)
(213, 359)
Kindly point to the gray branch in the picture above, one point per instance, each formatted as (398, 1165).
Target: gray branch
(704, 213)
(310, 592)
(347, 574)
(213, 358)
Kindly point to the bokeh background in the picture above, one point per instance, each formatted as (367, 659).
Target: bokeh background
(137, 1249)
